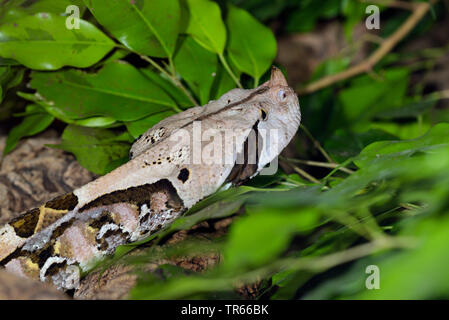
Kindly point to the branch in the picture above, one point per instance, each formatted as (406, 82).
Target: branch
(304, 174)
(316, 143)
(320, 164)
(418, 12)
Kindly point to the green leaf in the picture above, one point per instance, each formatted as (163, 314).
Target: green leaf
(429, 258)
(223, 82)
(31, 125)
(435, 137)
(10, 77)
(97, 150)
(174, 92)
(15, 9)
(264, 9)
(138, 127)
(410, 110)
(251, 46)
(8, 62)
(305, 16)
(365, 98)
(50, 6)
(94, 122)
(187, 61)
(206, 25)
(354, 12)
(263, 234)
(43, 42)
(409, 130)
(118, 54)
(344, 144)
(118, 91)
(149, 27)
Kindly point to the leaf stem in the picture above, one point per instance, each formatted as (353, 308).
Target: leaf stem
(256, 82)
(172, 77)
(229, 71)
(171, 66)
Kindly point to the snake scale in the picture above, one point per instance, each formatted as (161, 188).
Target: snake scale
(172, 166)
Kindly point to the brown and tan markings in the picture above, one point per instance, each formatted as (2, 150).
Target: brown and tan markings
(39, 218)
(64, 238)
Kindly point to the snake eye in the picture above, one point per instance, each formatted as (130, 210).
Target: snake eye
(282, 95)
(263, 114)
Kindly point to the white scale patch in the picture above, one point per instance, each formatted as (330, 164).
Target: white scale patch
(155, 221)
(105, 228)
(157, 134)
(67, 278)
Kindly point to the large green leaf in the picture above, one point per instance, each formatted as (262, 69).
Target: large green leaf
(248, 246)
(366, 97)
(98, 150)
(174, 92)
(59, 114)
(32, 124)
(118, 91)
(206, 25)
(222, 83)
(149, 27)
(344, 144)
(251, 45)
(434, 138)
(187, 61)
(15, 9)
(43, 42)
(425, 275)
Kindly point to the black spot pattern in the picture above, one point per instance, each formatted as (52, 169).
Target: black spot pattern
(184, 175)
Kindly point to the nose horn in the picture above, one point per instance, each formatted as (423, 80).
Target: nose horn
(277, 78)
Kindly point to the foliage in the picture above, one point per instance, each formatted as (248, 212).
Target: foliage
(125, 94)
(380, 200)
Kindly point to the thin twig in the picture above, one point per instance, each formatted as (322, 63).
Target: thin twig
(325, 262)
(418, 12)
(317, 144)
(304, 174)
(439, 95)
(354, 253)
(173, 79)
(320, 164)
